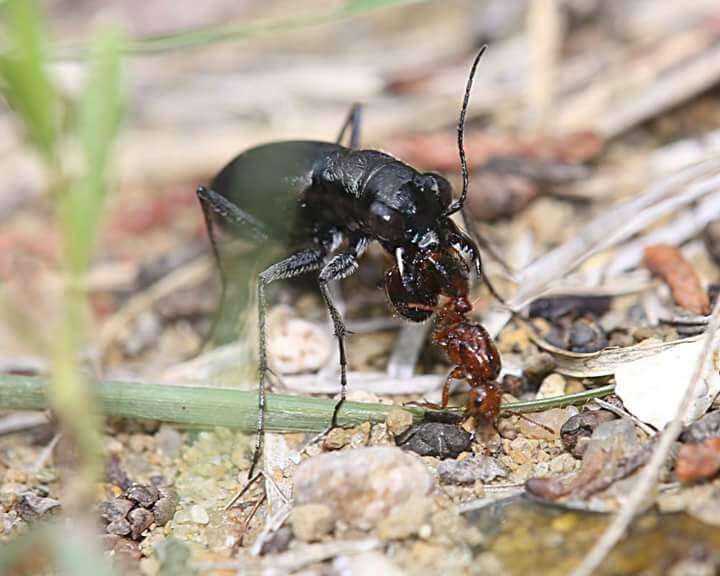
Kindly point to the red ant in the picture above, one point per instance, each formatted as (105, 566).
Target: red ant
(467, 344)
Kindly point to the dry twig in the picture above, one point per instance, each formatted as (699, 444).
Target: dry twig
(648, 477)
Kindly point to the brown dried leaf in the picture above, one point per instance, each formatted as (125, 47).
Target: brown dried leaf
(668, 262)
(698, 461)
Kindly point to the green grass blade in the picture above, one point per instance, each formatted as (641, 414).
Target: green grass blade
(98, 120)
(23, 76)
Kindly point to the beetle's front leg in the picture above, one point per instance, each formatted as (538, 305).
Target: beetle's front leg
(340, 266)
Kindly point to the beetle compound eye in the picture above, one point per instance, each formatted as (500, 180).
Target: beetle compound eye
(440, 188)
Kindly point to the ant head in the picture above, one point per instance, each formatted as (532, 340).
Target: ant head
(484, 402)
(413, 300)
(415, 284)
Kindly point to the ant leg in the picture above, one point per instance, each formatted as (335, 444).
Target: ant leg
(213, 203)
(295, 265)
(340, 266)
(457, 373)
(353, 121)
(530, 420)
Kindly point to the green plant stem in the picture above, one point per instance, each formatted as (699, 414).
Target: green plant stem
(205, 407)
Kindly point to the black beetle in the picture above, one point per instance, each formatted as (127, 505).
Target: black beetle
(327, 202)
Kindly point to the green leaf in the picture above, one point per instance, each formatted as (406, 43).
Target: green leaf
(98, 120)
(23, 76)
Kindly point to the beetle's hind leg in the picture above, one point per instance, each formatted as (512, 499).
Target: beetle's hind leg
(215, 205)
(353, 121)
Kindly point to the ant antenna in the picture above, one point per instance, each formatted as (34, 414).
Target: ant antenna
(458, 204)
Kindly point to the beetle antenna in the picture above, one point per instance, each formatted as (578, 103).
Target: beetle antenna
(458, 204)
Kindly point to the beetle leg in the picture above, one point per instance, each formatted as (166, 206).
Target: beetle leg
(294, 265)
(338, 267)
(480, 241)
(469, 245)
(353, 121)
(213, 203)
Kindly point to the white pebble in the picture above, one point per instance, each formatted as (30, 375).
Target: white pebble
(199, 515)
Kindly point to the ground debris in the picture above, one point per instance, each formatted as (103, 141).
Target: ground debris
(706, 427)
(468, 470)
(668, 262)
(577, 430)
(698, 461)
(613, 453)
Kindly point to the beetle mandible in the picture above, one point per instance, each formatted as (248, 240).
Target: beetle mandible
(315, 197)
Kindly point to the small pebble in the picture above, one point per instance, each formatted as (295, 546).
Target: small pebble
(32, 505)
(121, 527)
(538, 366)
(398, 421)
(169, 441)
(199, 515)
(586, 335)
(115, 509)
(165, 507)
(140, 520)
(144, 494)
(577, 430)
(310, 522)
(337, 438)
(435, 439)
(406, 519)
(562, 464)
(296, 345)
(362, 485)
(469, 470)
(552, 385)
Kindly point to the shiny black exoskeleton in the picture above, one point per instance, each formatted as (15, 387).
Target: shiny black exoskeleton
(327, 202)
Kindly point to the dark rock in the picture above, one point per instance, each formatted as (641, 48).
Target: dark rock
(553, 308)
(114, 474)
(32, 506)
(144, 494)
(586, 335)
(537, 366)
(115, 509)
(707, 427)
(576, 432)
(164, 508)
(120, 527)
(435, 439)
(140, 520)
(515, 385)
